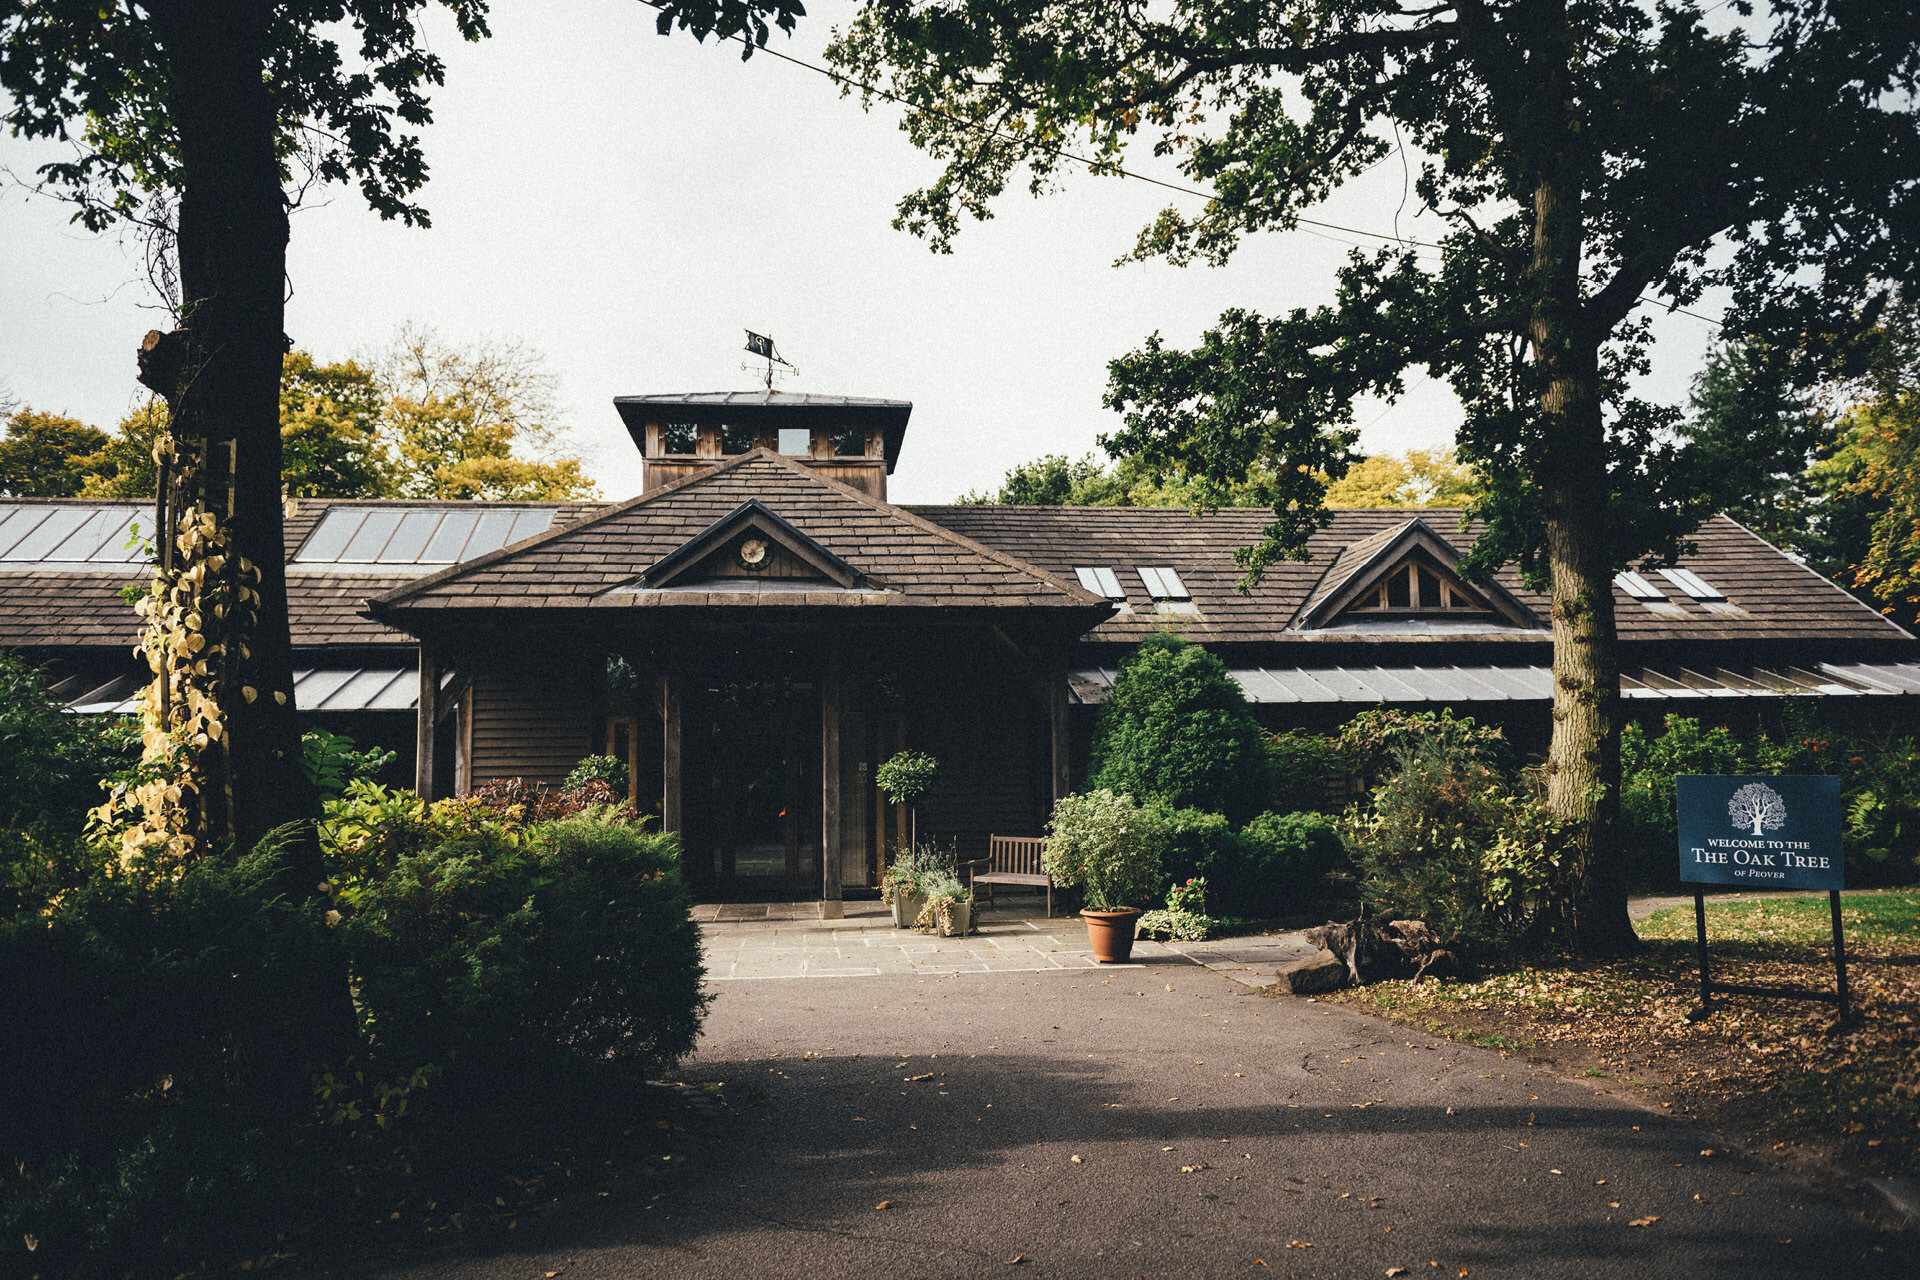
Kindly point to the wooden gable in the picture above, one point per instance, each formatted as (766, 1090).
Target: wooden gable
(1408, 571)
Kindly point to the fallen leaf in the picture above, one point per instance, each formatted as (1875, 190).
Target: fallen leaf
(1016, 1259)
(883, 1204)
(1076, 1159)
(1396, 1271)
(1647, 1221)
(1555, 1171)
(924, 1076)
(1299, 1244)
(1191, 1168)
(1261, 1262)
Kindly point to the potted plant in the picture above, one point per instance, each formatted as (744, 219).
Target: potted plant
(902, 884)
(906, 777)
(1110, 847)
(948, 910)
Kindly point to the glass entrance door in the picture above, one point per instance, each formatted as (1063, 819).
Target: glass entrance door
(752, 819)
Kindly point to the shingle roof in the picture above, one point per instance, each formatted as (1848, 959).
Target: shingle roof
(909, 561)
(1779, 599)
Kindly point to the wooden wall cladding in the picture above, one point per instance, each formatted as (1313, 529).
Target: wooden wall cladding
(529, 724)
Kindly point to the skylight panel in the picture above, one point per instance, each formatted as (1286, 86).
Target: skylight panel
(31, 534)
(411, 538)
(1693, 584)
(372, 537)
(1163, 583)
(494, 532)
(336, 530)
(1102, 581)
(528, 523)
(450, 539)
(1637, 587)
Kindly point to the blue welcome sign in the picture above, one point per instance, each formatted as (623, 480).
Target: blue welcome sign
(1761, 831)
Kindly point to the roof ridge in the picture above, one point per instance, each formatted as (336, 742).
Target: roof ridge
(949, 535)
(451, 572)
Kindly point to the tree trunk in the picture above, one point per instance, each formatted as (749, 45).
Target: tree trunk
(232, 241)
(1583, 759)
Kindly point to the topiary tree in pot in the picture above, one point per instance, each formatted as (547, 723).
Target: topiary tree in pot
(1111, 848)
(1177, 731)
(907, 776)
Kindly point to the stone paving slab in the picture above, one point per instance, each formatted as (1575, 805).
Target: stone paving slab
(789, 940)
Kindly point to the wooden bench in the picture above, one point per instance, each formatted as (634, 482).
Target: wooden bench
(1012, 860)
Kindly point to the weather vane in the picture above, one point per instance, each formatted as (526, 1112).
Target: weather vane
(761, 345)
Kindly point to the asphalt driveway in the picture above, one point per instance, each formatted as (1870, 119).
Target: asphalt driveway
(1165, 1120)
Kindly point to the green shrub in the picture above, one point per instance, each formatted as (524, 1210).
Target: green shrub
(332, 764)
(1176, 731)
(1108, 846)
(1370, 742)
(608, 770)
(1310, 772)
(52, 762)
(1286, 858)
(500, 952)
(1185, 918)
(1199, 844)
(1649, 831)
(1447, 840)
(913, 868)
(907, 776)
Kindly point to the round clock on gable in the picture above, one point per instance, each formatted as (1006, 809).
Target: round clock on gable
(753, 553)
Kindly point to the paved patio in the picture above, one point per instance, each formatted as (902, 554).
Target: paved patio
(791, 940)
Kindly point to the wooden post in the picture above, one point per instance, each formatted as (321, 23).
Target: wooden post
(426, 721)
(670, 692)
(1057, 723)
(831, 907)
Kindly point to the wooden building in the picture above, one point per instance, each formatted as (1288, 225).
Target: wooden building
(759, 628)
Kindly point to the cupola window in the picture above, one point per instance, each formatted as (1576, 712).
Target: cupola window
(736, 437)
(679, 437)
(796, 442)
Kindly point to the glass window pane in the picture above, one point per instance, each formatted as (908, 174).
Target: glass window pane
(115, 549)
(796, 442)
(1091, 581)
(50, 533)
(492, 534)
(451, 537)
(851, 442)
(529, 523)
(1176, 589)
(1398, 597)
(678, 437)
(16, 523)
(736, 437)
(85, 540)
(337, 528)
(1429, 590)
(1110, 584)
(410, 539)
(372, 536)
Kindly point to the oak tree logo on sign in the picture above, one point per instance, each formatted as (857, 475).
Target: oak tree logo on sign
(1758, 807)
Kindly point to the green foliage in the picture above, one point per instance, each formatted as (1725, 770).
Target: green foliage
(40, 452)
(1054, 480)
(608, 770)
(1288, 856)
(1757, 432)
(1879, 787)
(1446, 839)
(1185, 918)
(1370, 743)
(1417, 478)
(1108, 846)
(52, 763)
(907, 776)
(332, 764)
(1310, 771)
(913, 869)
(501, 951)
(1177, 731)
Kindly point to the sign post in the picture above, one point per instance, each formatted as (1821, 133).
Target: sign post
(1763, 832)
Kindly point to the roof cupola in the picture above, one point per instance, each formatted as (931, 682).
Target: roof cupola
(852, 439)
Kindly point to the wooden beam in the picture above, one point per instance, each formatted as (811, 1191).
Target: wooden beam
(830, 698)
(1059, 732)
(670, 694)
(426, 720)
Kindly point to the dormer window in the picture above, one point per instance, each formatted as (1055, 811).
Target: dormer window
(1418, 588)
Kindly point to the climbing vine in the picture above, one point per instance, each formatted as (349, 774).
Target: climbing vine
(199, 613)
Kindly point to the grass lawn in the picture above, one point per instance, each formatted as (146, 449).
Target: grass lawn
(1773, 1073)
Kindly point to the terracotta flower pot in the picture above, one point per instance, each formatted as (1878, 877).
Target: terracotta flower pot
(1110, 934)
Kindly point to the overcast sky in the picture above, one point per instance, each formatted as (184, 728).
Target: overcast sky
(628, 204)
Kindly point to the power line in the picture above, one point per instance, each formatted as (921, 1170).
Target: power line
(1097, 166)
